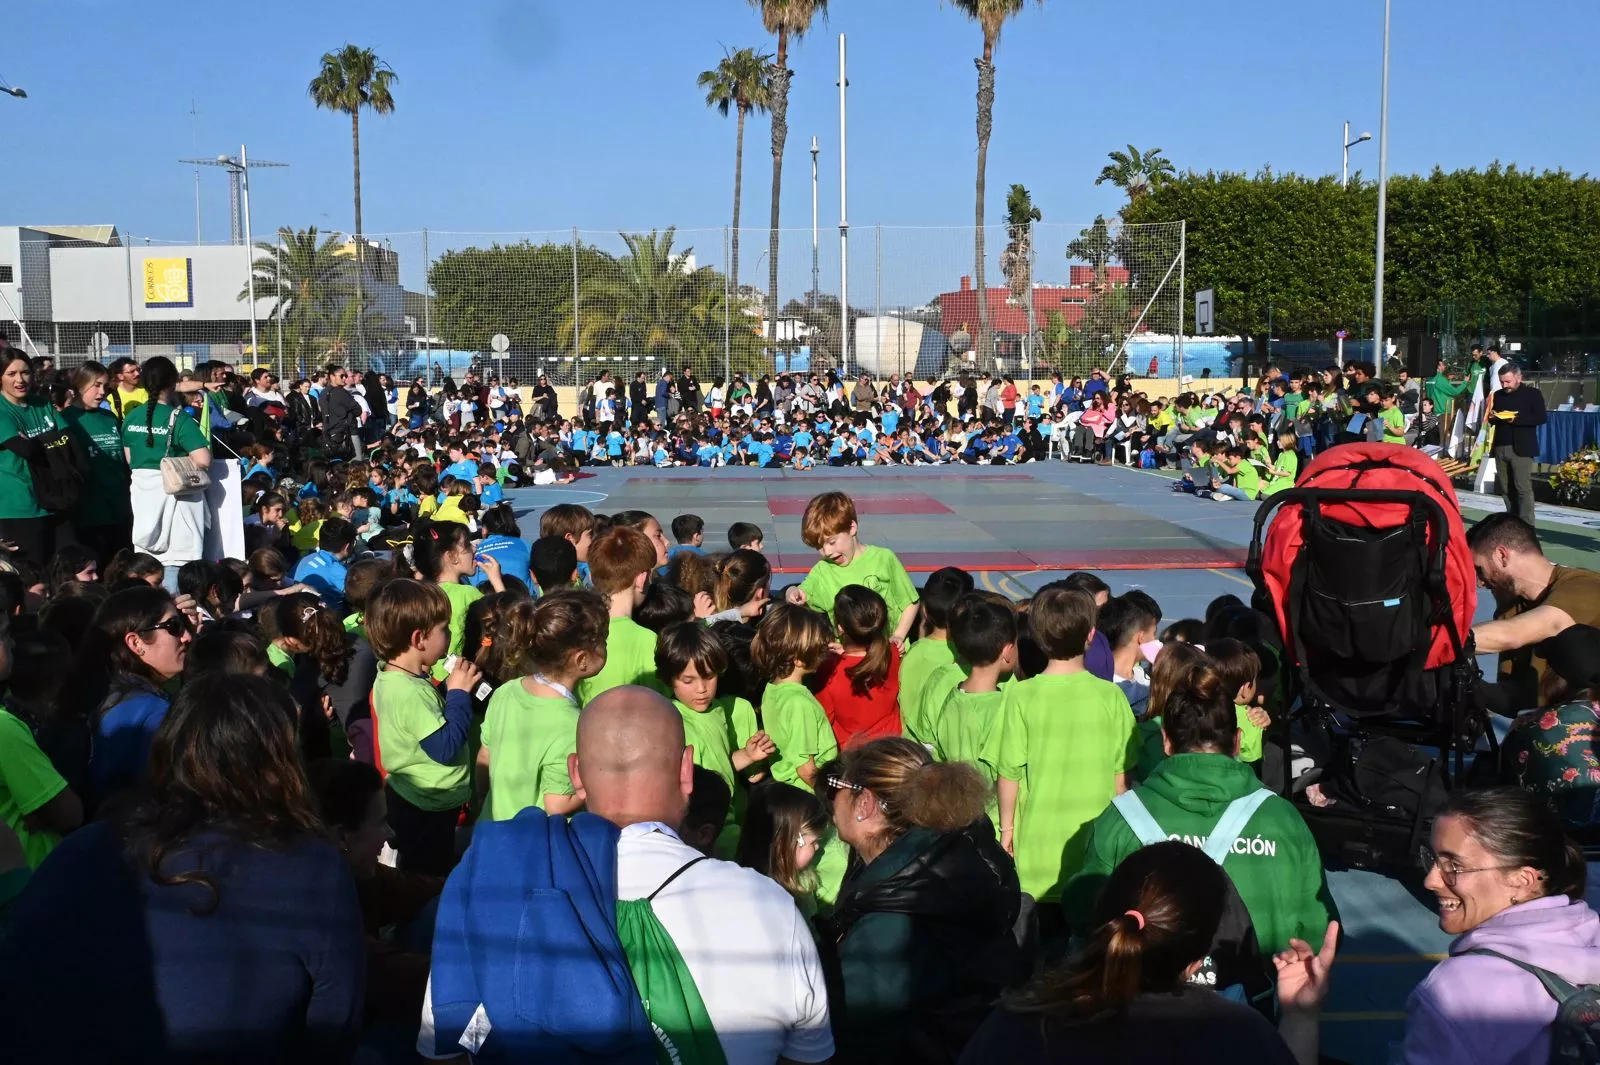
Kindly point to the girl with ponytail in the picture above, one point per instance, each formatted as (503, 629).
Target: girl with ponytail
(860, 686)
(1126, 997)
(442, 553)
(922, 932)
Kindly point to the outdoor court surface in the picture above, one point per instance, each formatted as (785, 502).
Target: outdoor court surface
(1017, 528)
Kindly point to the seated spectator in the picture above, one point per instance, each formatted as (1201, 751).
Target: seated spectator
(1552, 752)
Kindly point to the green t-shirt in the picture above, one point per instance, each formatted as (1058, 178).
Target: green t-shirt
(1289, 463)
(715, 733)
(1394, 425)
(876, 568)
(918, 725)
(921, 659)
(1293, 403)
(965, 730)
(461, 597)
(407, 710)
(1249, 735)
(104, 499)
(280, 658)
(1064, 739)
(147, 442)
(630, 659)
(1247, 479)
(529, 737)
(27, 782)
(30, 419)
(798, 727)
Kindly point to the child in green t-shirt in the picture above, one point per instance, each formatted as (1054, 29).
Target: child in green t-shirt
(1242, 480)
(422, 735)
(784, 832)
(1067, 742)
(940, 593)
(790, 643)
(1284, 467)
(722, 730)
(965, 726)
(530, 728)
(1393, 418)
(1240, 666)
(441, 552)
(620, 564)
(829, 525)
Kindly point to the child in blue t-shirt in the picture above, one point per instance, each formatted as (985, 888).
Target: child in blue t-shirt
(802, 459)
(1035, 403)
(890, 420)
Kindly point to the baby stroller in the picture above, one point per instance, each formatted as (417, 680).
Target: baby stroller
(1364, 566)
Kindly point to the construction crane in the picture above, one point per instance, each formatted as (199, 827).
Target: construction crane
(235, 196)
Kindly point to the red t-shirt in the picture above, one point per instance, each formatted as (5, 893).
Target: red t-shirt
(858, 718)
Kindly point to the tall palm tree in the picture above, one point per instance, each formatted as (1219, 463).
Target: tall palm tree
(350, 79)
(308, 280)
(1017, 257)
(740, 82)
(785, 19)
(1136, 172)
(990, 15)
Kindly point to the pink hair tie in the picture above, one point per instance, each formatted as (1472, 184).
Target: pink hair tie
(1137, 916)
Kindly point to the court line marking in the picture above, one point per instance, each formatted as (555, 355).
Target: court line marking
(1232, 577)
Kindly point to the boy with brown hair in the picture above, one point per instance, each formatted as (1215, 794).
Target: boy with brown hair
(829, 525)
(1240, 667)
(577, 524)
(620, 564)
(422, 736)
(1068, 740)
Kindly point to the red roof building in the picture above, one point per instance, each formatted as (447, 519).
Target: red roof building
(958, 310)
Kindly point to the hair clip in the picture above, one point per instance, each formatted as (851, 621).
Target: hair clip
(308, 613)
(488, 641)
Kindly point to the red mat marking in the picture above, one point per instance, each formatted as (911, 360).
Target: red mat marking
(867, 480)
(794, 506)
(1019, 562)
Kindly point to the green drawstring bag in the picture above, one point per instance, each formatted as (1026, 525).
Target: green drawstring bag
(683, 1031)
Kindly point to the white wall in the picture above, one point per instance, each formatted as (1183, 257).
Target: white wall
(92, 284)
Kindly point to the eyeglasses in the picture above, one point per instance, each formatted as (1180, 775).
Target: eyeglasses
(1450, 871)
(175, 626)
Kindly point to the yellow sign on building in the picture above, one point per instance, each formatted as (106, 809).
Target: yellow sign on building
(168, 282)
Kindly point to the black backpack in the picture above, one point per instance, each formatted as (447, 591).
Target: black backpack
(1234, 966)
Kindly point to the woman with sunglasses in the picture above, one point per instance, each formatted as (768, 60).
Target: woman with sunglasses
(1509, 881)
(922, 934)
(211, 919)
(138, 642)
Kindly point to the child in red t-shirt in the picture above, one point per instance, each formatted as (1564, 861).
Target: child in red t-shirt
(860, 685)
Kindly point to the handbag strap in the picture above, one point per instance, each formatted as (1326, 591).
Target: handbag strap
(172, 424)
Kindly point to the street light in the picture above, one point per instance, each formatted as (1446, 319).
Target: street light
(1348, 144)
(12, 90)
(241, 166)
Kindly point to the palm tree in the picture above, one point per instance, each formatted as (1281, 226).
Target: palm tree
(308, 280)
(1136, 172)
(786, 19)
(991, 15)
(350, 79)
(1094, 246)
(740, 82)
(1016, 259)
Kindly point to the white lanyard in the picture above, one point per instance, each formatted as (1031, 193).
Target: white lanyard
(560, 689)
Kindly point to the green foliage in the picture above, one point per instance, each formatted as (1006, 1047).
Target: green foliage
(516, 289)
(353, 78)
(1015, 258)
(741, 81)
(311, 282)
(1136, 172)
(1486, 240)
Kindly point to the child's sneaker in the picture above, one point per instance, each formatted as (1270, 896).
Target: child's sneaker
(1203, 493)
(1218, 497)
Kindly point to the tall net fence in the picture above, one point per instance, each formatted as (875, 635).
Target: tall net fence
(568, 304)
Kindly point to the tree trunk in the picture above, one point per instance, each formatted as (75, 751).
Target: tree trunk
(355, 153)
(738, 187)
(985, 125)
(780, 133)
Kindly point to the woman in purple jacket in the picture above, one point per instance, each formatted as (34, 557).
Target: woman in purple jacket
(1508, 880)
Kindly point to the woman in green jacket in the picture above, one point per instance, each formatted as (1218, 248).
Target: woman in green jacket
(103, 518)
(23, 417)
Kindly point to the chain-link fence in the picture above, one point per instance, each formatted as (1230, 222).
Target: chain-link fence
(568, 304)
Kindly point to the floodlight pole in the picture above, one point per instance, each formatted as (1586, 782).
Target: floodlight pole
(249, 250)
(1380, 349)
(844, 231)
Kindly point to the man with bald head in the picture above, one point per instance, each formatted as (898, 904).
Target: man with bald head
(738, 935)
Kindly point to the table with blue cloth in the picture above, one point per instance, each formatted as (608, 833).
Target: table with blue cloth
(1566, 431)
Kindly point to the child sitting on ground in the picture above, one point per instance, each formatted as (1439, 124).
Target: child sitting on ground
(829, 525)
(1071, 764)
(531, 724)
(721, 729)
(422, 733)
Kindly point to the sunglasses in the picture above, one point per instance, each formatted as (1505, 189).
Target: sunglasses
(834, 785)
(174, 626)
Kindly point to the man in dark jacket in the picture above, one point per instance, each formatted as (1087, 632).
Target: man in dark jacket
(689, 390)
(663, 393)
(639, 399)
(1516, 414)
(341, 415)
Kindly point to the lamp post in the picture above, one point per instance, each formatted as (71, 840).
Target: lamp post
(1344, 173)
(241, 166)
(1380, 347)
(812, 302)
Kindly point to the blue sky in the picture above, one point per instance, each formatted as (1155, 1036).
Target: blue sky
(522, 115)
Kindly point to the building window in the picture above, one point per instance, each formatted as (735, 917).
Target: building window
(6, 277)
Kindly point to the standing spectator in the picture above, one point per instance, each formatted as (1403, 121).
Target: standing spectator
(922, 929)
(1516, 414)
(125, 395)
(417, 405)
(212, 922)
(102, 520)
(172, 528)
(23, 418)
(341, 415)
(303, 413)
(689, 390)
(639, 399)
(663, 393)
(377, 400)
(630, 897)
(544, 399)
